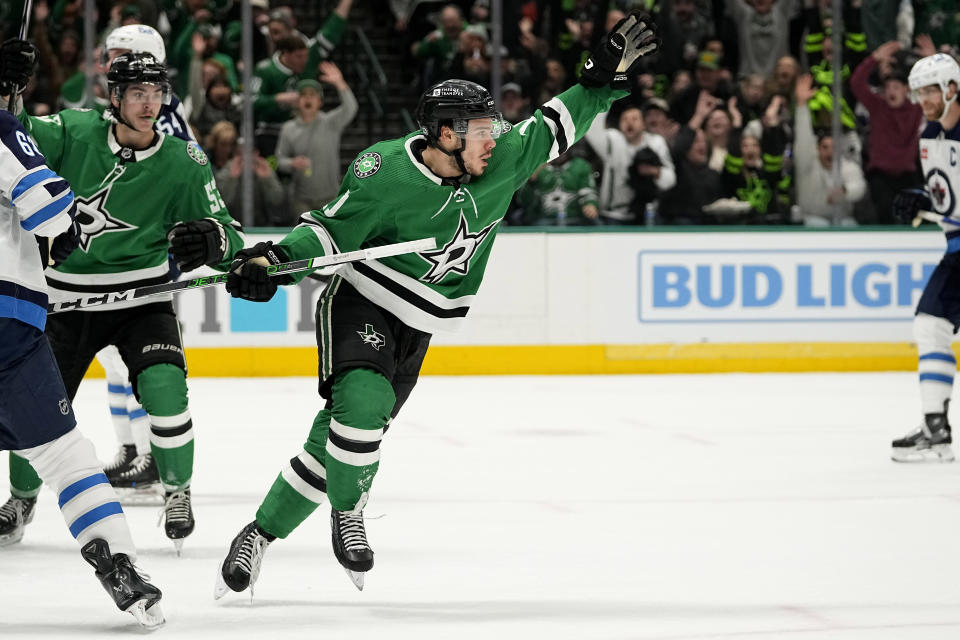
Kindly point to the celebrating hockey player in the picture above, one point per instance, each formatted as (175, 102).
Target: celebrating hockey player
(36, 418)
(451, 181)
(140, 194)
(934, 82)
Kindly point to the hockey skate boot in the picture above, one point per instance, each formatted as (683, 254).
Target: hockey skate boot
(121, 462)
(177, 517)
(139, 482)
(350, 543)
(930, 442)
(16, 514)
(128, 587)
(141, 473)
(241, 567)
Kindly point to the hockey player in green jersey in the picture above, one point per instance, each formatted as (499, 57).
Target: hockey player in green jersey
(140, 195)
(451, 181)
(562, 193)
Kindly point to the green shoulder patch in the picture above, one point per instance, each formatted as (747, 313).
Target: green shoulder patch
(367, 165)
(196, 153)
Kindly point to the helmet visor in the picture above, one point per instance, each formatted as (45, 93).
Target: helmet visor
(147, 92)
(481, 128)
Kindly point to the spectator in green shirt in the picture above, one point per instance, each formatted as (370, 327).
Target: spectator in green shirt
(296, 58)
(436, 51)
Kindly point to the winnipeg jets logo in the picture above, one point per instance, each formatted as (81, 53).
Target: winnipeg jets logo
(941, 192)
(95, 220)
(454, 257)
(370, 336)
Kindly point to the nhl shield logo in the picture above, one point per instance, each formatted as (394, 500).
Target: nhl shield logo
(367, 165)
(64, 405)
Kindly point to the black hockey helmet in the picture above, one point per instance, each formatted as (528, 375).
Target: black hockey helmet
(137, 68)
(453, 103)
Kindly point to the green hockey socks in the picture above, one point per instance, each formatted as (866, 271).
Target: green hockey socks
(163, 393)
(340, 458)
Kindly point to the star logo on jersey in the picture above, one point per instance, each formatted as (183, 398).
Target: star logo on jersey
(556, 200)
(370, 336)
(454, 257)
(95, 220)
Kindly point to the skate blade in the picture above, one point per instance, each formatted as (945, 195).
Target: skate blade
(936, 453)
(151, 496)
(148, 618)
(11, 538)
(356, 577)
(178, 546)
(220, 588)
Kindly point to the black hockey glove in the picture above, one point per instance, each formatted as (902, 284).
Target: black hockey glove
(248, 277)
(197, 242)
(617, 58)
(18, 60)
(53, 251)
(908, 202)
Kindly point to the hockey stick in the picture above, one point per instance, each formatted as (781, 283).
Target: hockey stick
(25, 22)
(221, 278)
(933, 217)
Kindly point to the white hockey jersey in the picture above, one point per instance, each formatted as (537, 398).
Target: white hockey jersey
(939, 158)
(34, 201)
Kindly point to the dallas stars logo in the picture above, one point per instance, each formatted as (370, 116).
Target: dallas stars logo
(454, 257)
(370, 336)
(95, 220)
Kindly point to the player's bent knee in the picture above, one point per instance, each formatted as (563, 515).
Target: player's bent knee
(162, 389)
(63, 459)
(362, 399)
(932, 333)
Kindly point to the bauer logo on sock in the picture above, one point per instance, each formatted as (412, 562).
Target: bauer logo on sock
(366, 165)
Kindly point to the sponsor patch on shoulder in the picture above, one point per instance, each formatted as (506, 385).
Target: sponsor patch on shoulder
(196, 153)
(367, 165)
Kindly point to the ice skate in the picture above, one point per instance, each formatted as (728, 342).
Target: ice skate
(138, 482)
(177, 517)
(241, 567)
(930, 442)
(16, 514)
(121, 462)
(126, 585)
(350, 543)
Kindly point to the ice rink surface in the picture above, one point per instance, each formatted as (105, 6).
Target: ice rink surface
(683, 507)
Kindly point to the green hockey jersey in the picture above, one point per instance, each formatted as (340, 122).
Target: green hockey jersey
(557, 194)
(127, 202)
(389, 195)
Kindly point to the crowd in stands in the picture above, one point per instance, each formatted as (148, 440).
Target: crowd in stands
(730, 124)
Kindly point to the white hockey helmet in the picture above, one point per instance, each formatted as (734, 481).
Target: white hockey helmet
(939, 69)
(138, 38)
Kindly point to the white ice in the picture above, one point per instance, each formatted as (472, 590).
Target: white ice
(678, 507)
